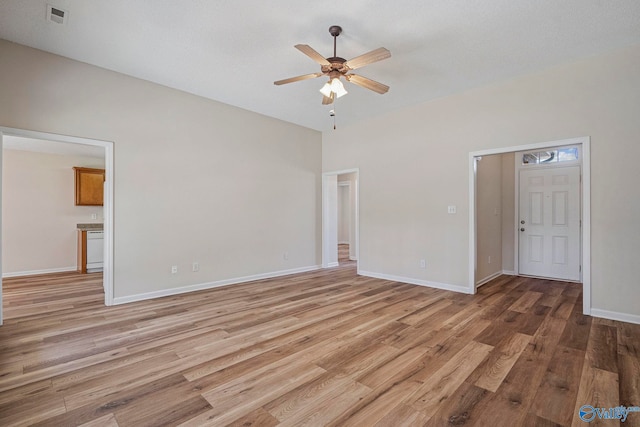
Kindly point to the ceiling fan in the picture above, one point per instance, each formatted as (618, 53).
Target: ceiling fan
(336, 67)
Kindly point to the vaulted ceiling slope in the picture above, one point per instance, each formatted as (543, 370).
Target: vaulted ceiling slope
(233, 51)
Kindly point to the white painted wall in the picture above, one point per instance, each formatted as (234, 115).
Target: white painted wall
(330, 220)
(428, 160)
(195, 180)
(508, 211)
(39, 216)
(352, 178)
(489, 217)
(344, 208)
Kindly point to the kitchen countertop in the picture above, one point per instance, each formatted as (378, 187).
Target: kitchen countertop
(91, 227)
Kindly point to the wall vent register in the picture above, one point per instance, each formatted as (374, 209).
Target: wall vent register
(56, 15)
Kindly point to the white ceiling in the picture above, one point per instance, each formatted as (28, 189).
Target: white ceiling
(51, 147)
(233, 51)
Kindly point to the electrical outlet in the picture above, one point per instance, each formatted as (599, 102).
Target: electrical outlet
(195, 267)
(94, 216)
(174, 269)
(423, 263)
(285, 256)
(451, 209)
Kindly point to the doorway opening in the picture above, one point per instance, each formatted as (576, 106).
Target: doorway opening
(89, 145)
(539, 193)
(340, 217)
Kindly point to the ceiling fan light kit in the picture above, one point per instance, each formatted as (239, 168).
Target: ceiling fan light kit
(335, 67)
(333, 86)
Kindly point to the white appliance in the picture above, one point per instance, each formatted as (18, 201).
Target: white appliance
(95, 251)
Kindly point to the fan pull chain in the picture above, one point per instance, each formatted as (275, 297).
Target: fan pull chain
(332, 113)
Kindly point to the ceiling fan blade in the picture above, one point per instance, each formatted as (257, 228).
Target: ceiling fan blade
(311, 53)
(298, 78)
(367, 83)
(326, 100)
(368, 58)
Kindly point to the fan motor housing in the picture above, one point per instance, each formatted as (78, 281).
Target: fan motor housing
(337, 64)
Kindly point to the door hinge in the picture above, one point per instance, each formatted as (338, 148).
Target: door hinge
(580, 269)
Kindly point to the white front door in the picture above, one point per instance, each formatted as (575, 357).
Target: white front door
(549, 222)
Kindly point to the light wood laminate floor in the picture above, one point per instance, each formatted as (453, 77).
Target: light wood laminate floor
(320, 348)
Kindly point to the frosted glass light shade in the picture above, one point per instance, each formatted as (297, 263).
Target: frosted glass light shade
(335, 86)
(326, 90)
(338, 88)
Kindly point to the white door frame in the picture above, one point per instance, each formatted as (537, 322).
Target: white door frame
(584, 143)
(108, 198)
(328, 210)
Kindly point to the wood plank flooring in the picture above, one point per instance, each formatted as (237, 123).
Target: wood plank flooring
(320, 348)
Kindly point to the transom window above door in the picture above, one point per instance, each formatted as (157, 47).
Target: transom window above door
(565, 154)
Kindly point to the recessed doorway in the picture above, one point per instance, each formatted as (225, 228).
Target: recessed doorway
(564, 254)
(340, 216)
(107, 148)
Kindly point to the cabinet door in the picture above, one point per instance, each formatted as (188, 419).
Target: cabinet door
(89, 186)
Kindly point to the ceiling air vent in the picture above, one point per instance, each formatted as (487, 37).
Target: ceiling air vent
(56, 15)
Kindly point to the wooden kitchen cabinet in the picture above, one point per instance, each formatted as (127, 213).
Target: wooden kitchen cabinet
(82, 251)
(89, 186)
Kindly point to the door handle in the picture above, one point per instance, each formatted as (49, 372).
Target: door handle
(522, 222)
(522, 229)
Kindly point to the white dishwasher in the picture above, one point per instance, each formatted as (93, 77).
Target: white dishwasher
(95, 250)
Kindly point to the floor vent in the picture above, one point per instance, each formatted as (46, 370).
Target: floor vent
(57, 15)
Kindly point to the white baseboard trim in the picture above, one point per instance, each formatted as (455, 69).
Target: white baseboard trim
(488, 278)
(211, 285)
(614, 315)
(37, 272)
(333, 264)
(509, 272)
(412, 281)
